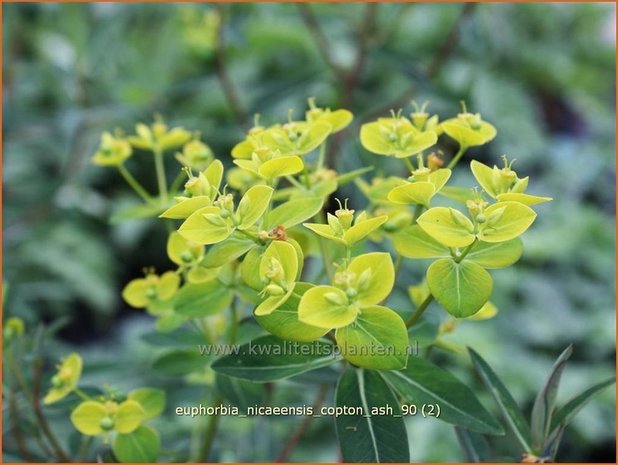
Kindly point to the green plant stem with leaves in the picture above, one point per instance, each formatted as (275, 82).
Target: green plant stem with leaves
(253, 248)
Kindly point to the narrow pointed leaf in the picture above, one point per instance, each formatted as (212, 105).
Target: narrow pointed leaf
(543, 408)
(269, 358)
(509, 408)
(368, 438)
(566, 413)
(422, 382)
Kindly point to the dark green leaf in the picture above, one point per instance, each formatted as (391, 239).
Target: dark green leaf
(239, 392)
(203, 299)
(474, 445)
(511, 412)
(230, 249)
(180, 362)
(544, 403)
(269, 358)
(422, 382)
(369, 436)
(140, 446)
(566, 413)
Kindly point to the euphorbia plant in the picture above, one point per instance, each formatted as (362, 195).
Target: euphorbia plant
(259, 242)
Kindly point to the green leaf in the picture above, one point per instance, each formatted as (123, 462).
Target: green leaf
(269, 358)
(180, 251)
(375, 277)
(505, 221)
(543, 408)
(253, 205)
(141, 446)
(378, 339)
(324, 230)
(458, 194)
(230, 249)
(395, 137)
(214, 173)
(424, 332)
(439, 178)
(186, 207)
(413, 242)
(293, 212)
(202, 299)
(362, 229)
(250, 268)
(129, 416)
(197, 228)
(367, 437)
(326, 307)
(463, 133)
(422, 382)
(509, 408)
(526, 199)
(283, 255)
(412, 193)
(136, 212)
(152, 401)
(565, 414)
(281, 166)
(485, 176)
(87, 417)
(169, 322)
(271, 303)
(180, 362)
(447, 226)
(496, 255)
(461, 288)
(474, 445)
(487, 311)
(284, 322)
(239, 392)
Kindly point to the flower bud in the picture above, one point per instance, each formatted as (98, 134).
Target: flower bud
(335, 298)
(57, 381)
(215, 220)
(334, 224)
(364, 279)
(274, 290)
(435, 161)
(106, 423)
(275, 270)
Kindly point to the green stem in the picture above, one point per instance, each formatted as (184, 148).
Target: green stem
(465, 252)
(175, 187)
(294, 182)
(458, 155)
(83, 448)
(306, 178)
(211, 431)
(82, 394)
(419, 311)
(161, 180)
(234, 320)
(323, 250)
(135, 185)
(409, 165)
(321, 155)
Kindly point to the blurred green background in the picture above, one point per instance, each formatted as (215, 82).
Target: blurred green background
(543, 74)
